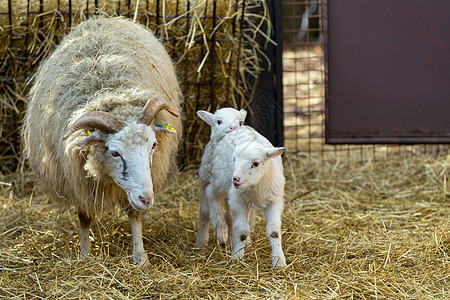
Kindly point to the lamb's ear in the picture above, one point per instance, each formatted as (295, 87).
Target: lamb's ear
(206, 116)
(166, 129)
(274, 152)
(92, 139)
(243, 114)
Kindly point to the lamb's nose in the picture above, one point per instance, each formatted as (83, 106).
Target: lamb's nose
(236, 179)
(232, 127)
(146, 201)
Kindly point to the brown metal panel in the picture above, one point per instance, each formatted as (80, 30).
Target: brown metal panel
(387, 71)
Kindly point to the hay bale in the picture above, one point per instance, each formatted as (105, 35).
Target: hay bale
(213, 54)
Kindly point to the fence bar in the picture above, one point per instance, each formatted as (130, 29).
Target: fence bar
(266, 104)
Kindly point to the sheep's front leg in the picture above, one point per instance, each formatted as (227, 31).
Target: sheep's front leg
(85, 223)
(215, 202)
(203, 227)
(273, 213)
(139, 256)
(241, 227)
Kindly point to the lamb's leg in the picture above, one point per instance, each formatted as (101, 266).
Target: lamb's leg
(215, 201)
(139, 256)
(229, 221)
(251, 222)
(273, 213)
(85, 223)
(203, 227)
(241, 227)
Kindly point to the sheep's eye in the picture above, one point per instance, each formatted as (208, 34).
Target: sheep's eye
(154, 145)
(255, 164)
(219, 122)
(115, 154)
(240, 123)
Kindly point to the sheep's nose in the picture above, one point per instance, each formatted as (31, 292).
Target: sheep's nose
(148, 201)
(236, 179)
(232, 127)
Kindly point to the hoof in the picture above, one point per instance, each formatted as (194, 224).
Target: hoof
(278, 263)
(142, 261)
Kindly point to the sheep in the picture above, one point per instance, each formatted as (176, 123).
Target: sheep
(246, 168)
(258, 182)
(94, 130)
(223, 121)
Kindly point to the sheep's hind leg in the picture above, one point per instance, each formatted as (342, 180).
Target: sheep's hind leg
(203, 226)
(229, 221)
(85, 223)
(139, 256)
(273, 217)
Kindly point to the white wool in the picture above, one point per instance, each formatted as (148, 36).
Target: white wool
(232, 157)
(105, 64)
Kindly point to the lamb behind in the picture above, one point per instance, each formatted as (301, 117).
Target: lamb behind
(248, 169)
(88, 130)
(223, 121)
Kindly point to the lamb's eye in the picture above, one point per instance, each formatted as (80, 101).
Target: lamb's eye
(154, 145)
(255, 164)
(115, 154)
(240, 123)
(219, 122)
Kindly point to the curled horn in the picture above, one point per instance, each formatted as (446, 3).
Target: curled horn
(97, 119)
(151, 108)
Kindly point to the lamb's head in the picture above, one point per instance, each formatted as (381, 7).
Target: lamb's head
(127, 148)
(250, 162)
(223, 121)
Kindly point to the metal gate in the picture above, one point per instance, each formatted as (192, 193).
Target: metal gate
(387, 71)
(304, 90)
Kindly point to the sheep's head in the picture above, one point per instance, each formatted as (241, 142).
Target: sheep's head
(128, 148)
(223, 121)
(250, 160)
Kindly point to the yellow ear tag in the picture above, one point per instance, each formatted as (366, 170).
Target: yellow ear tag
(169, 127)
(89, 133)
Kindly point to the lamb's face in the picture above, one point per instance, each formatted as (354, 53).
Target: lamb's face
(128, 160)
(250, 163)
(223, 121)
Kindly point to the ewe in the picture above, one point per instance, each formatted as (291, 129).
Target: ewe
(90, 132)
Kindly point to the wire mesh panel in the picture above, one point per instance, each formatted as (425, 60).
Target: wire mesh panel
(304, 90)
(303, 76)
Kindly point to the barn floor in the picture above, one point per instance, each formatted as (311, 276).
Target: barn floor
(351, 230)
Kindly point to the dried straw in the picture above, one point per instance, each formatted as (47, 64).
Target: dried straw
(213, 56)
(377, 230)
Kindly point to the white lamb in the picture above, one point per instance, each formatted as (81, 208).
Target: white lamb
(248, 169)
(222, 122)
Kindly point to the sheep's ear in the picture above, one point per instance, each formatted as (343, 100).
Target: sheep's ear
(206, 116)
(243, 114)
(92, 139)
(274, 152)
(166, 129)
